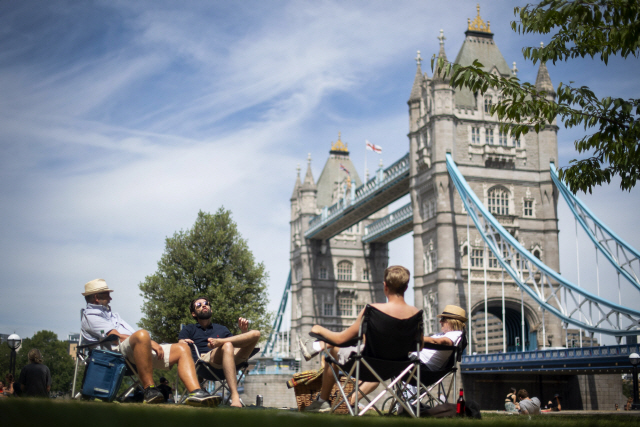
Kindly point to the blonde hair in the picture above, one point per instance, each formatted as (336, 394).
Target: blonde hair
(455, 324)
(397, 279)
(35, 356)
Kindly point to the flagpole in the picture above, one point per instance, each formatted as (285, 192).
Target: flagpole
(366, 177)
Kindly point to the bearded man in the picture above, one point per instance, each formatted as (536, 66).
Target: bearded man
(217, 345)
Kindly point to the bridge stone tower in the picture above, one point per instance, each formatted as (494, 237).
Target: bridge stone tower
(331, 280)
(510, 176)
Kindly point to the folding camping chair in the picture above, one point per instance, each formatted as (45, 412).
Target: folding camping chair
(83, 354)
(382, 353)
(423, 389)
(207, 372)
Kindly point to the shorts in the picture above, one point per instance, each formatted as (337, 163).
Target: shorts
(208, 358)
(126, 350)
(510, 407)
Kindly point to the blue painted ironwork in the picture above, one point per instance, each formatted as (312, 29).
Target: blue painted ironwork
(385, 178)
(268, 348)
(620, 254)
(534, 277)
(609, 359)
(388, 224)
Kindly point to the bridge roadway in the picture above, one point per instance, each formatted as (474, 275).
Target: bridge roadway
(386, 187)
(585, 360)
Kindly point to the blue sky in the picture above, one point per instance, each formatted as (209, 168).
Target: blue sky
(119, 120)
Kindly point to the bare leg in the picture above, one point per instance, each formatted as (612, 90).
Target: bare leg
(364, 389)
(229, 368)
(245, 344)
(328, 379)
(181, 354)
(141, 343)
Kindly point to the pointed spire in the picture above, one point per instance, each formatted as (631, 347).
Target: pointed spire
(308, 179)
(296, 187)
(441, 56)
(442, 38)
(543, 80)
(416, 90)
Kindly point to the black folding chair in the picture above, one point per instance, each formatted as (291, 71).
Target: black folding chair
(382, 353)
(207, 372)
(423, 389)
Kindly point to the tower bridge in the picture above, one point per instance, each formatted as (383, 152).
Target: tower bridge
(483, 214)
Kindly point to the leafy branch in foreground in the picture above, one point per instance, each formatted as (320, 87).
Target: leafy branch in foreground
(582, 28)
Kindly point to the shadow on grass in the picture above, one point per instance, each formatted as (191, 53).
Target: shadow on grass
(64, 413)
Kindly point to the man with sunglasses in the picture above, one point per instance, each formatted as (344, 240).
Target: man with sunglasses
(99, 321)
(217, 345)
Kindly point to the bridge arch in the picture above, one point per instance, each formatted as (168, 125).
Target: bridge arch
(512, 324)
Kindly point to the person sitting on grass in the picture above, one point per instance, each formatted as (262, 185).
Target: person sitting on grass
(528, 406)
(217, 345)
(396, 280)
(139, 348)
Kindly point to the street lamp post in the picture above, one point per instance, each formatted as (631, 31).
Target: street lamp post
(634, 358)
(14, 343)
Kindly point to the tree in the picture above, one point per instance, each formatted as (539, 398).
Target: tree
(580, 28)
(55, 354)
(211, 259)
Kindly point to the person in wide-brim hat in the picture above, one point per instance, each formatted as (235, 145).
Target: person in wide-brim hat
(454, 312)
(96, 286)
(452, 324)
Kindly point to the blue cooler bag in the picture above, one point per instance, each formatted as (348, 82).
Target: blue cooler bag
(103, 374)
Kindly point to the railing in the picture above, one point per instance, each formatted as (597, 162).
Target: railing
(563, 359)
(382, 179)
(388, 223)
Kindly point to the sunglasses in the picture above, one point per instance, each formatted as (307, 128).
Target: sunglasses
(200, 304)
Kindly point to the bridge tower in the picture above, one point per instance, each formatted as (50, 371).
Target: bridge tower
(332, 280)
(510, 176)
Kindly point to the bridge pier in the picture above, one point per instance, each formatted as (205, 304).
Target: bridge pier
(578, 392)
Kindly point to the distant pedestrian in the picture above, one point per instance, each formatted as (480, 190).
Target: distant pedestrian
(528, 406)
(510, 403)
(165, 389)
(35, 378)
(8, 385)
(629, 403)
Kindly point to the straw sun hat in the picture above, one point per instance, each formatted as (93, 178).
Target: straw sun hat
(96, 286)
(454, 312)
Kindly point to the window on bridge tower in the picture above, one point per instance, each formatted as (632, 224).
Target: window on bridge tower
(345, 270)
(487, 104)
(475, 135)
(323, 273)
(365, 274)
(492, 260)
(490, 136)
(498, 201)
(502, 138)
(345, 305)
(328, 309)
(477, 256)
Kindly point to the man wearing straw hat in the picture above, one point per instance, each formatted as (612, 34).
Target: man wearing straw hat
(138, 347)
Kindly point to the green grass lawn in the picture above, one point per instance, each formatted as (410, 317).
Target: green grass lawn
(41, 412)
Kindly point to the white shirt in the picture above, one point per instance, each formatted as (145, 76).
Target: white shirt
(98, 318)
(436, 359)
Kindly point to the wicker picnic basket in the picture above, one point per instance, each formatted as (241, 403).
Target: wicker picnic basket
(307, 391)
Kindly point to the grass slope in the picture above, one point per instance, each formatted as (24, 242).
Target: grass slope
(17, 412)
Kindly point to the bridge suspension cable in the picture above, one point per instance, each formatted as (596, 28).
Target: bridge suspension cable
(268, 348)
(538, 280)
(620, 254)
